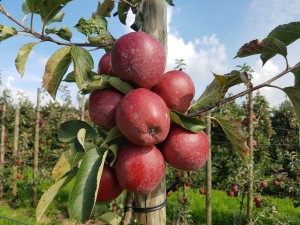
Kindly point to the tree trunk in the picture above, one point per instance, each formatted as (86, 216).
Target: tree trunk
(155, 17)
(15, 151)
(251, 162)
(208, 172)
(36, 151)
(2, 149)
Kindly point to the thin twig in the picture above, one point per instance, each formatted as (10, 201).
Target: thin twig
(128, 205)
(265, 84)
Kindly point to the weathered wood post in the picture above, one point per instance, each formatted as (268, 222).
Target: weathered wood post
(155, 23)
(16, 149)
(208, 172)
(2, 148)
(36, 151)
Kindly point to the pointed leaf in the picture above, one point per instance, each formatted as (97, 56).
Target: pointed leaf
(287, 33)
(83, 64)
(68, 130)
(56, 67)
(112, 135)
(296, 73)
(123, 9)
(79, 141)
(57, 18)
(99, 82)
(103, 39)
(25, 8)
(138, 22)
(33, 5)
(85, 189)
(122, 86)
(8, 32)
(235, 134)
(23, 56)
(217, 90)
(70, 77)
(294, 95)
(105, 7)
(66, 162)
(170, 2)
(65, 33)
(95, 25)
(190, 123)
(266, 46)
(50, 194)
(111, 218)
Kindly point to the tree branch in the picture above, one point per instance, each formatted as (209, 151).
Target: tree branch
(265, 84)
(48, 38)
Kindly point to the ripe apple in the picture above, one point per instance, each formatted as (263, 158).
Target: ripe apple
(254, 142)
(102, 107)
(143, 117)
(230, 193)
(187, 184)
(104, 66)
(177, 89)
(46, 159)
(179, 175)
(18, 163)
(236, 194)
(182, 200)
(257, 199)
(258, 205)
(138, 57)
(202, 191)
(264, 184)
(109, 187)
(185, 150)
(114, 208)
(276, 183)
(19, 176)
(139, 169)
(235, 188)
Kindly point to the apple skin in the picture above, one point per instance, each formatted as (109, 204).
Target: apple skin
(143, 117)
(102, 107)
(185, 150)
(264, 184)
(276, 183)
(138, 57)
(177, 89)
(202, 191)
(257, 199)
(109, 187)
(230, 193)
(104, 66)
(139, 169)
(235, 188)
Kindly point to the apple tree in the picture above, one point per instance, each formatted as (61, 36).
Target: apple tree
(143, 115)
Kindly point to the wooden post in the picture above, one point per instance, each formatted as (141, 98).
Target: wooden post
(155, 17)
(36, 151)
(251, 162)
(208, 172)
(2, 148)
(15, 151)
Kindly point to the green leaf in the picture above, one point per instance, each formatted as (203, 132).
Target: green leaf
(33, 5)
(235, 134)
(217, 90)
(83, 64)
(57, 18)
(56, 67)
(296, 73)
(170, 2)
(286, 33)
(83, 195)
(190, 123)
(66, 162)
(123, 9)
(70, 77)
(50, 194)
(111, 218)
(79, 141)
(113, 135)
(1, 27)
(49, 9)
(23, 56)
(138, 22)
(104, 8)
(25, 8)
(99, 82)
(266, 46)
(96, 25)
(294, 95)
(122, 86)
(103, 39)
(65, 33)
(8, 32)
(68, 130)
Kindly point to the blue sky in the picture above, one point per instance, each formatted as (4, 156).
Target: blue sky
(206, 34)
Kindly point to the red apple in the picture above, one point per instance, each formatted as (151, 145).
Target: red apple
(104, 66)
(187, 184)
(138, 57)
(182, 200)
(264, 184)
(139, 169)
(276, 183)
(114, 208)
(185, 150)
(254, 142)
(257, 199)
(202, 191)
(236, 193)
(235, 188)
(46, 159)
(143, 117)
(19, 176)
(102, 107)
(230, 193)
(169, 194)
(109, 187)
(18, 163)
(179, 175)
(258, 205)
(177, 89)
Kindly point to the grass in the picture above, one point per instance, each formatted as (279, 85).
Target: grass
(226, 210)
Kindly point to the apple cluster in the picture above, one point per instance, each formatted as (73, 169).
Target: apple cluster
(143, 117)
